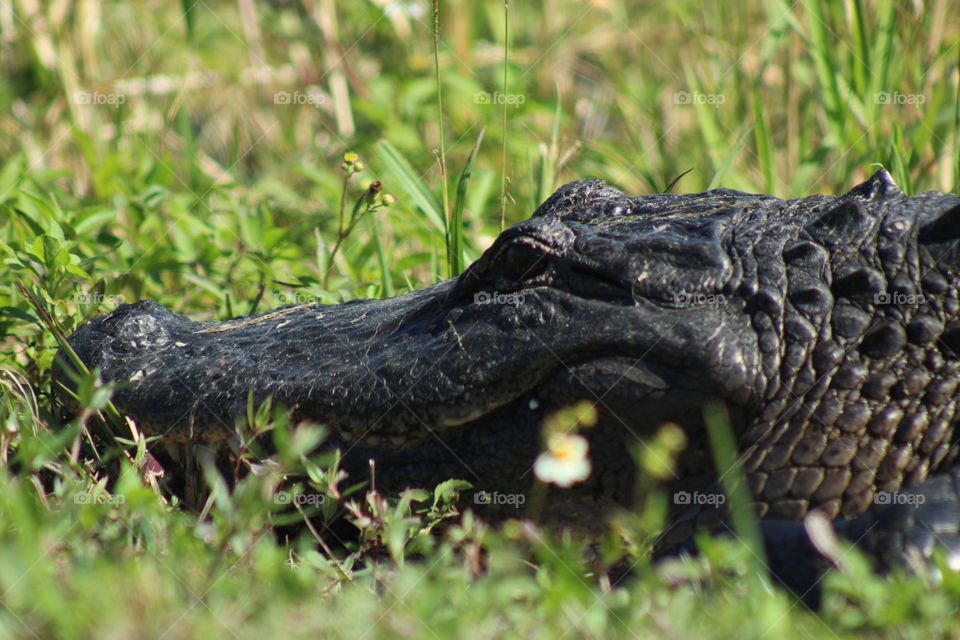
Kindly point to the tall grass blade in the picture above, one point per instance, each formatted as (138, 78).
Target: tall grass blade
(443, 151)
(386, 282)
(955, 157)
(720, 177)
(548, 161)
(899, 160)
(456, 229)
(503, 148)
(764, 142)
(189, 7)
(825, 64)
(411, 183)
(880, 54)
(734, 483)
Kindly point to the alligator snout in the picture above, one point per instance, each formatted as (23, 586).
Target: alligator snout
(128, 329)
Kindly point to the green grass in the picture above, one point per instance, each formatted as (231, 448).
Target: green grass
(192, 154)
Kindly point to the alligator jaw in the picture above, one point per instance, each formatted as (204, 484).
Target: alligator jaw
(394, 372)
(551, 297)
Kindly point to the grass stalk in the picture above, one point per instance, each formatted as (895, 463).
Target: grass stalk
(448, 231)
(503, 143)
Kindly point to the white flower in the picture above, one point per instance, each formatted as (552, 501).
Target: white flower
(565, 461)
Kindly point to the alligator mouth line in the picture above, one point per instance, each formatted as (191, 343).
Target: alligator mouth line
(532, 396)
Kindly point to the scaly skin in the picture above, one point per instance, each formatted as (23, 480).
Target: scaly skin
(828, 325)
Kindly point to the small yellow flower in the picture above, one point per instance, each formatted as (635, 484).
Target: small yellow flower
(350, 157)
(388, 199)
(565, 461)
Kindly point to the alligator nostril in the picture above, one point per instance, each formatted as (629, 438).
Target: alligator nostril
(523, 262)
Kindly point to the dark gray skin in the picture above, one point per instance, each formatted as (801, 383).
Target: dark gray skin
(829, 326)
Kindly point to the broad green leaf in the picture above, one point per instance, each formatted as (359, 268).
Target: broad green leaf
(411, 183)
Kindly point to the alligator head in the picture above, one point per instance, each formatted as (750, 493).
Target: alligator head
(650, 307)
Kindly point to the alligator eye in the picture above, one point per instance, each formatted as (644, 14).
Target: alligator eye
(523, 262)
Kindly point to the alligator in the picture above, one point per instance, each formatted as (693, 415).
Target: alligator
(827, 326)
